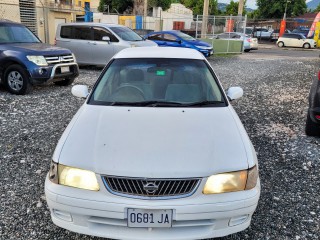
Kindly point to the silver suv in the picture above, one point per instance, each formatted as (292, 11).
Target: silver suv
(96, 43)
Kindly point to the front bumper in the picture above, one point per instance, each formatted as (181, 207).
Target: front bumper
(206, 52)
(53, 73)
(103, 214)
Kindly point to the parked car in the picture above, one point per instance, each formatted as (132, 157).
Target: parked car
(249, 43)
(295, 40)
(262, 33)
(155, 152)
(178, 39)
(26, 61)
(313, 117)
(275, 34)
(96, 43)
(303, 30)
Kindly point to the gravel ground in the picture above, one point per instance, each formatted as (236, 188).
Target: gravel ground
(273, 111)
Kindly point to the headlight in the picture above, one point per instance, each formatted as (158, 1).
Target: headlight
(38, 60)
(232, 181)
(203, 47)
(73, 177)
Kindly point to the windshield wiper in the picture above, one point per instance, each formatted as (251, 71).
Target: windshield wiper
(165, 104)
(202, 103)
(147, 104)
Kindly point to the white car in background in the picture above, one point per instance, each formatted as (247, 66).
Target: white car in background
(249, 43)
(155, 152)
(295, 40)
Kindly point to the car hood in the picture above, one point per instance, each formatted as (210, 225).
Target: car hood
(198, 43)
(144, 43)
(154, 142)
(39, 48)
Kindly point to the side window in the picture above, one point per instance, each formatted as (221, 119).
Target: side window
(169, 38)
(82, 33)
(155, 37)
(99, 33)
(66, 32)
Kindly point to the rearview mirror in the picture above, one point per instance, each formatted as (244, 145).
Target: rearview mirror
(106, 38)
(234, 93)
(80, 91)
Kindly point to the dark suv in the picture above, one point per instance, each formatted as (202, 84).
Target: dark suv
(26, 61)
(313, 118)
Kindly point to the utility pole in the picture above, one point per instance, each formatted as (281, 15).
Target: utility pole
(205, 18)
(145, 13)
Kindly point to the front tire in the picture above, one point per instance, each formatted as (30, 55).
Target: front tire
(247, 50)
(66, 82)
(16, 80)
(306, 46)
(280, 44)
(312, 129)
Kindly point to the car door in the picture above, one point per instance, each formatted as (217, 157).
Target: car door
(76, 39)
(171, 40)
(102, 50)
(296, 40)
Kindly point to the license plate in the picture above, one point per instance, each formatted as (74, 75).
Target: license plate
(149, 217)
(65, 69)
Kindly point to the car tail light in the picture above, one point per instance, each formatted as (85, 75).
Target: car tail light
(319, 75)
(249, 39)
(317, 117)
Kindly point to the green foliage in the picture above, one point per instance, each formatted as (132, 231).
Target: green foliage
(197, 6)
(164, 4)
(276, 8)
(232, 8)
(115, 5)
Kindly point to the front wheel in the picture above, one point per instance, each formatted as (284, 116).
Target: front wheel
(306, 46)
(66, 82)
(16, 80)
(280, 44)
(312, 129)
(247, 50)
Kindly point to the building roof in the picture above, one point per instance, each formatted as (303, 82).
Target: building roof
(308, 16)
(159, 52)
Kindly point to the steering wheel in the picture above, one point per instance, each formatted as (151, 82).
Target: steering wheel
(135, 91)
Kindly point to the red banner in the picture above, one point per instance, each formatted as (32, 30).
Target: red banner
(282, 28)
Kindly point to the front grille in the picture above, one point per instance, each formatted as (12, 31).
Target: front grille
(151, 188)
(59, 59)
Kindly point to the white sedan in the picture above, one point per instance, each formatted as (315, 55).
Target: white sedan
(295, 40)
(155, 152)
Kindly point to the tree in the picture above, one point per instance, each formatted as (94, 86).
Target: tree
(164, 4)
(276, 8)
(197, 6)
(232, 8)
(115, 5)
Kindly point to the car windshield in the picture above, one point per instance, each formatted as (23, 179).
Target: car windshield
(126, 34)
(185, 36)
(153, 82)
(16, 34)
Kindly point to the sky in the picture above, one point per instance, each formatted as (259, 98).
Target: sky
(250, 3)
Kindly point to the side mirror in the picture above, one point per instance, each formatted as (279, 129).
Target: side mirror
(234, 93)
(80, 91)
(106, 38)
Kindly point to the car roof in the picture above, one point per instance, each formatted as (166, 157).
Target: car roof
(92, 24)
(160, 52)
(170, 31)
(9, 22)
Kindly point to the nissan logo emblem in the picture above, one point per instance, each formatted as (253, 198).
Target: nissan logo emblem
(150, 187)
